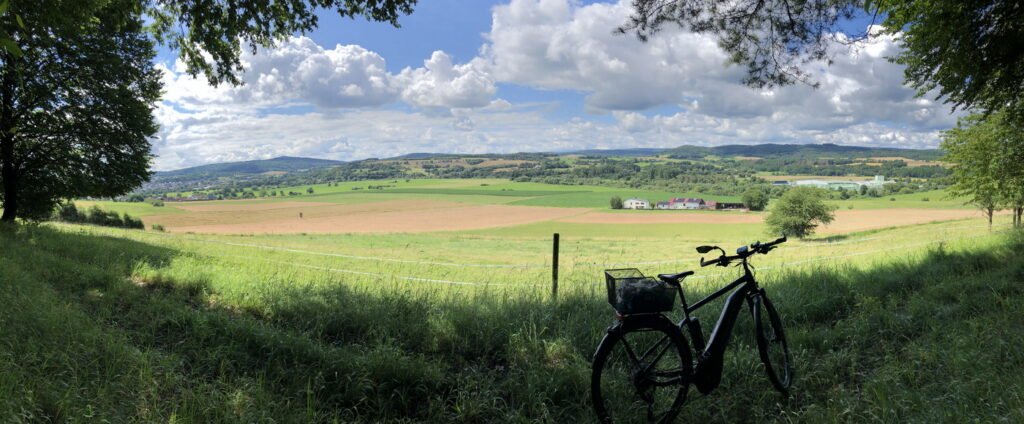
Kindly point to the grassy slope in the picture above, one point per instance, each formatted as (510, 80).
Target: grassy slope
(102, 328)
(571, 229)
(937, 199)
(131, 208)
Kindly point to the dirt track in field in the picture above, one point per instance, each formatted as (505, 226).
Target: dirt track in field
(377, 217)
(846, 220)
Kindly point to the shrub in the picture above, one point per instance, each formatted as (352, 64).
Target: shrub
(800, 211)
(616, 202)
(158, 227)
(67, 212)
(755, 199)
(129, 222)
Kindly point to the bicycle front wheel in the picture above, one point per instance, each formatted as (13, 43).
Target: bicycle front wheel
(771, 343)
(641, 374)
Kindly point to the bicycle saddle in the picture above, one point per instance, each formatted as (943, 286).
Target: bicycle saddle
(674, 278)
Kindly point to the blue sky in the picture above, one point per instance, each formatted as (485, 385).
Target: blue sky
(522, 75)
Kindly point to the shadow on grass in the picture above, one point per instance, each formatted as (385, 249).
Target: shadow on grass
(868, 344)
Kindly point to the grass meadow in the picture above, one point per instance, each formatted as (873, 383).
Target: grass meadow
(910, 324)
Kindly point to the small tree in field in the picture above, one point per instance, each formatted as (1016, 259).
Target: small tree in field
(616, 202)
(800, 211)
(986, 152)
(755, 199)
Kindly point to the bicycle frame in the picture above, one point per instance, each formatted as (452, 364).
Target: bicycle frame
(707, 373)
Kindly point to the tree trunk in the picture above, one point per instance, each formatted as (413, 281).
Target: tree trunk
(10, 176)
(8, 169)
(989, 212)
(9, 182)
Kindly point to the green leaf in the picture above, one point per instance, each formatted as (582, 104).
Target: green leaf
(3, 6)
(21, 23)
(10, 46)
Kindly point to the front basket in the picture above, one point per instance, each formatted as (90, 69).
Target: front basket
(630, 292)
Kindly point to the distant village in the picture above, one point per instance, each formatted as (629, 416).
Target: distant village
(681, 203)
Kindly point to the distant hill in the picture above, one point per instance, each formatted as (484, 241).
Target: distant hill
(618, 152)
(250, 167)
(587, 152)
(799, 150)
(416, 156)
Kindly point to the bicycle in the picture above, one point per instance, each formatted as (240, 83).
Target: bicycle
(626, 386)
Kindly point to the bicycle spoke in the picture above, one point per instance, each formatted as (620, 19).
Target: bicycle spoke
(632, 356)
(664, 341)
(642, 378)
(660, 354)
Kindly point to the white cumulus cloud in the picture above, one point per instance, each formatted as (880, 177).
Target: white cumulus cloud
(441, 84)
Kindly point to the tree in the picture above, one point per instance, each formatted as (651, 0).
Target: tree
(210, 35)
(77, 82)
(969, 50)
(616, 202)
(987, 152)
(755, 199)
(800, 211)
(76, 100)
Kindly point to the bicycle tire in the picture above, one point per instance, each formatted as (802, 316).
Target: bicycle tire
(620, 393)
(772, 345)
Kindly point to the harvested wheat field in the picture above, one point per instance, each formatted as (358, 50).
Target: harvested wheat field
(237, 205)
(869, 219)
(266, 213)
(453, 217)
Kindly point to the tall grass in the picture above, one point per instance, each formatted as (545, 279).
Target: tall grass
(103, 328)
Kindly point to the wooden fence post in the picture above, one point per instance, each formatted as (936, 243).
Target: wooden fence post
(554, 268)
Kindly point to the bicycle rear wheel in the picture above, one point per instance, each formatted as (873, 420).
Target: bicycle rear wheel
(641, 374)
(771, 343)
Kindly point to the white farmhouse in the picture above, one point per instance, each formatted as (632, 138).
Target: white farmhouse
(686, 203)
(634, 203)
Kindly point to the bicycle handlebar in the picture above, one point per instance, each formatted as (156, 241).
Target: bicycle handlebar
(743, 252)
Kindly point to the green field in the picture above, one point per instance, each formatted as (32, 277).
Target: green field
(688, 232)
(906, 324)
(917, 323)
(937, 199)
